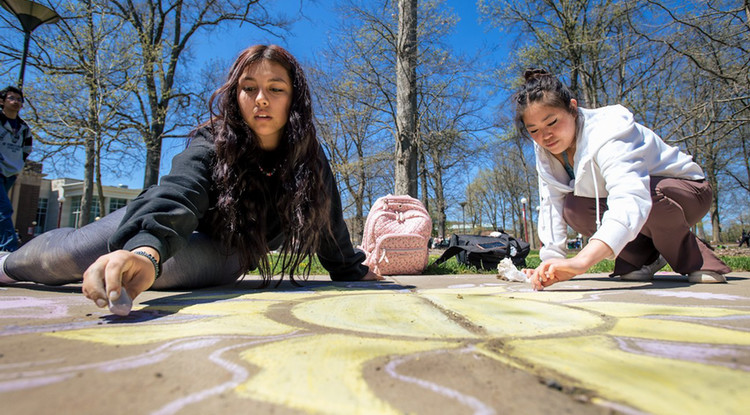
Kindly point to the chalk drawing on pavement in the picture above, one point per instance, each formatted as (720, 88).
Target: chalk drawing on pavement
(318, 341)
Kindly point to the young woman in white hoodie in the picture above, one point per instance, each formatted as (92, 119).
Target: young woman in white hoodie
(616, 181)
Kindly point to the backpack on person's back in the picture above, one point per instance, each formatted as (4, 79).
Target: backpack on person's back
(396, 236)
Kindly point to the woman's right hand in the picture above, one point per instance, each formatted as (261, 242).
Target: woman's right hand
(116, 270)
(562, 269)
(553, 271)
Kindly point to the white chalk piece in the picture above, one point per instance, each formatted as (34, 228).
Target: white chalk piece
(122, 305)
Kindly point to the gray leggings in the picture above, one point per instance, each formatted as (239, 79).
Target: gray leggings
(60, 256)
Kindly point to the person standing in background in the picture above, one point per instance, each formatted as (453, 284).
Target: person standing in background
(15, 146)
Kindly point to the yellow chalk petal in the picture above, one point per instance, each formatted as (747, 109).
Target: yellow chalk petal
(652, 384)
(500, 316)
(679, 331)
(323, 374)
(622, 309)
(231, 318)
(386, 313)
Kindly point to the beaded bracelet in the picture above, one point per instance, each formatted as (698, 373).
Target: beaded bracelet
(157, 268)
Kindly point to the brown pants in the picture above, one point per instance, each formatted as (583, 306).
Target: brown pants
(678, 204)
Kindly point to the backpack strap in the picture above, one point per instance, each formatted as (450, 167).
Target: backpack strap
(457, 249)
(449, 253)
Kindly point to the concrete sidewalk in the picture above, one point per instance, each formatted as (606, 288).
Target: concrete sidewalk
(452, 344)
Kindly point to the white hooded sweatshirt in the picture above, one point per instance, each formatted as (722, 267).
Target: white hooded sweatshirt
(614, 159)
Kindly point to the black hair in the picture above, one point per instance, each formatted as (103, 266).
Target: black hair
(4, 93)
(10, 88)
(543, 87)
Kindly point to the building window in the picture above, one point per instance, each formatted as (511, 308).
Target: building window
(115, 204)
(94, 212)
(41, 216)
(75, 210)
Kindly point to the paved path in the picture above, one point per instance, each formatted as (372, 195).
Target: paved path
(468, 344)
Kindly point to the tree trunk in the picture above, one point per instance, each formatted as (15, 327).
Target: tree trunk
(699, 231)
(437, 176)
(153, 160)
(98, 181)
(440, 203)
(745, 157)
(406, 97)
(714, 211)
(529, 214)
(359, 220)
(503, 212)
(154, 137)
(423, 180)
(88, 184)
(89, 135)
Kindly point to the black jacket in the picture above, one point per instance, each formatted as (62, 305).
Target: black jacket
(164, 216)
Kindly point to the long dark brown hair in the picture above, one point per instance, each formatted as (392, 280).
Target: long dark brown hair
(303, 203)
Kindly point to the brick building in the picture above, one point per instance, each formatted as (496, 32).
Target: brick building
(41, 204)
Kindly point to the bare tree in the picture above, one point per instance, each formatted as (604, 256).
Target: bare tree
(627, 52)
(526, 178)
(711, 110)
(163, 32)
(495, 194)
(406, 91)
(87, 77)
(579, 38)
(450, 122)
(705, 138)
(363, 54)
(347, 125)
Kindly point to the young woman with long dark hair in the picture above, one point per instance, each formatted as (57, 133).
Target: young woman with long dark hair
(253, 179)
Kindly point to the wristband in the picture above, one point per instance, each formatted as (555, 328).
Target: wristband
(157, 268)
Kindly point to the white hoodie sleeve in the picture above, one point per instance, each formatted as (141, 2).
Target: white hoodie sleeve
(553, 232)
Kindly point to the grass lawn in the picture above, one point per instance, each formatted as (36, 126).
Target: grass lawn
(737, 263)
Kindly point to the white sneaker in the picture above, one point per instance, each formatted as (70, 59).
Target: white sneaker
(646, 273)
(698, 277)
(4, 279)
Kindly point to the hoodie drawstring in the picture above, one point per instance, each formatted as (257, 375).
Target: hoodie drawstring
(596, 195)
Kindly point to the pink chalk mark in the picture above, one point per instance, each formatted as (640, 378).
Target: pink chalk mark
(34, 308)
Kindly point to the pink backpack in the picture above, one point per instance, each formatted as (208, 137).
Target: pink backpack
(396, 235)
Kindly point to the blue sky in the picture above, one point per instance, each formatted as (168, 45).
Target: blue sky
(308, 35)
